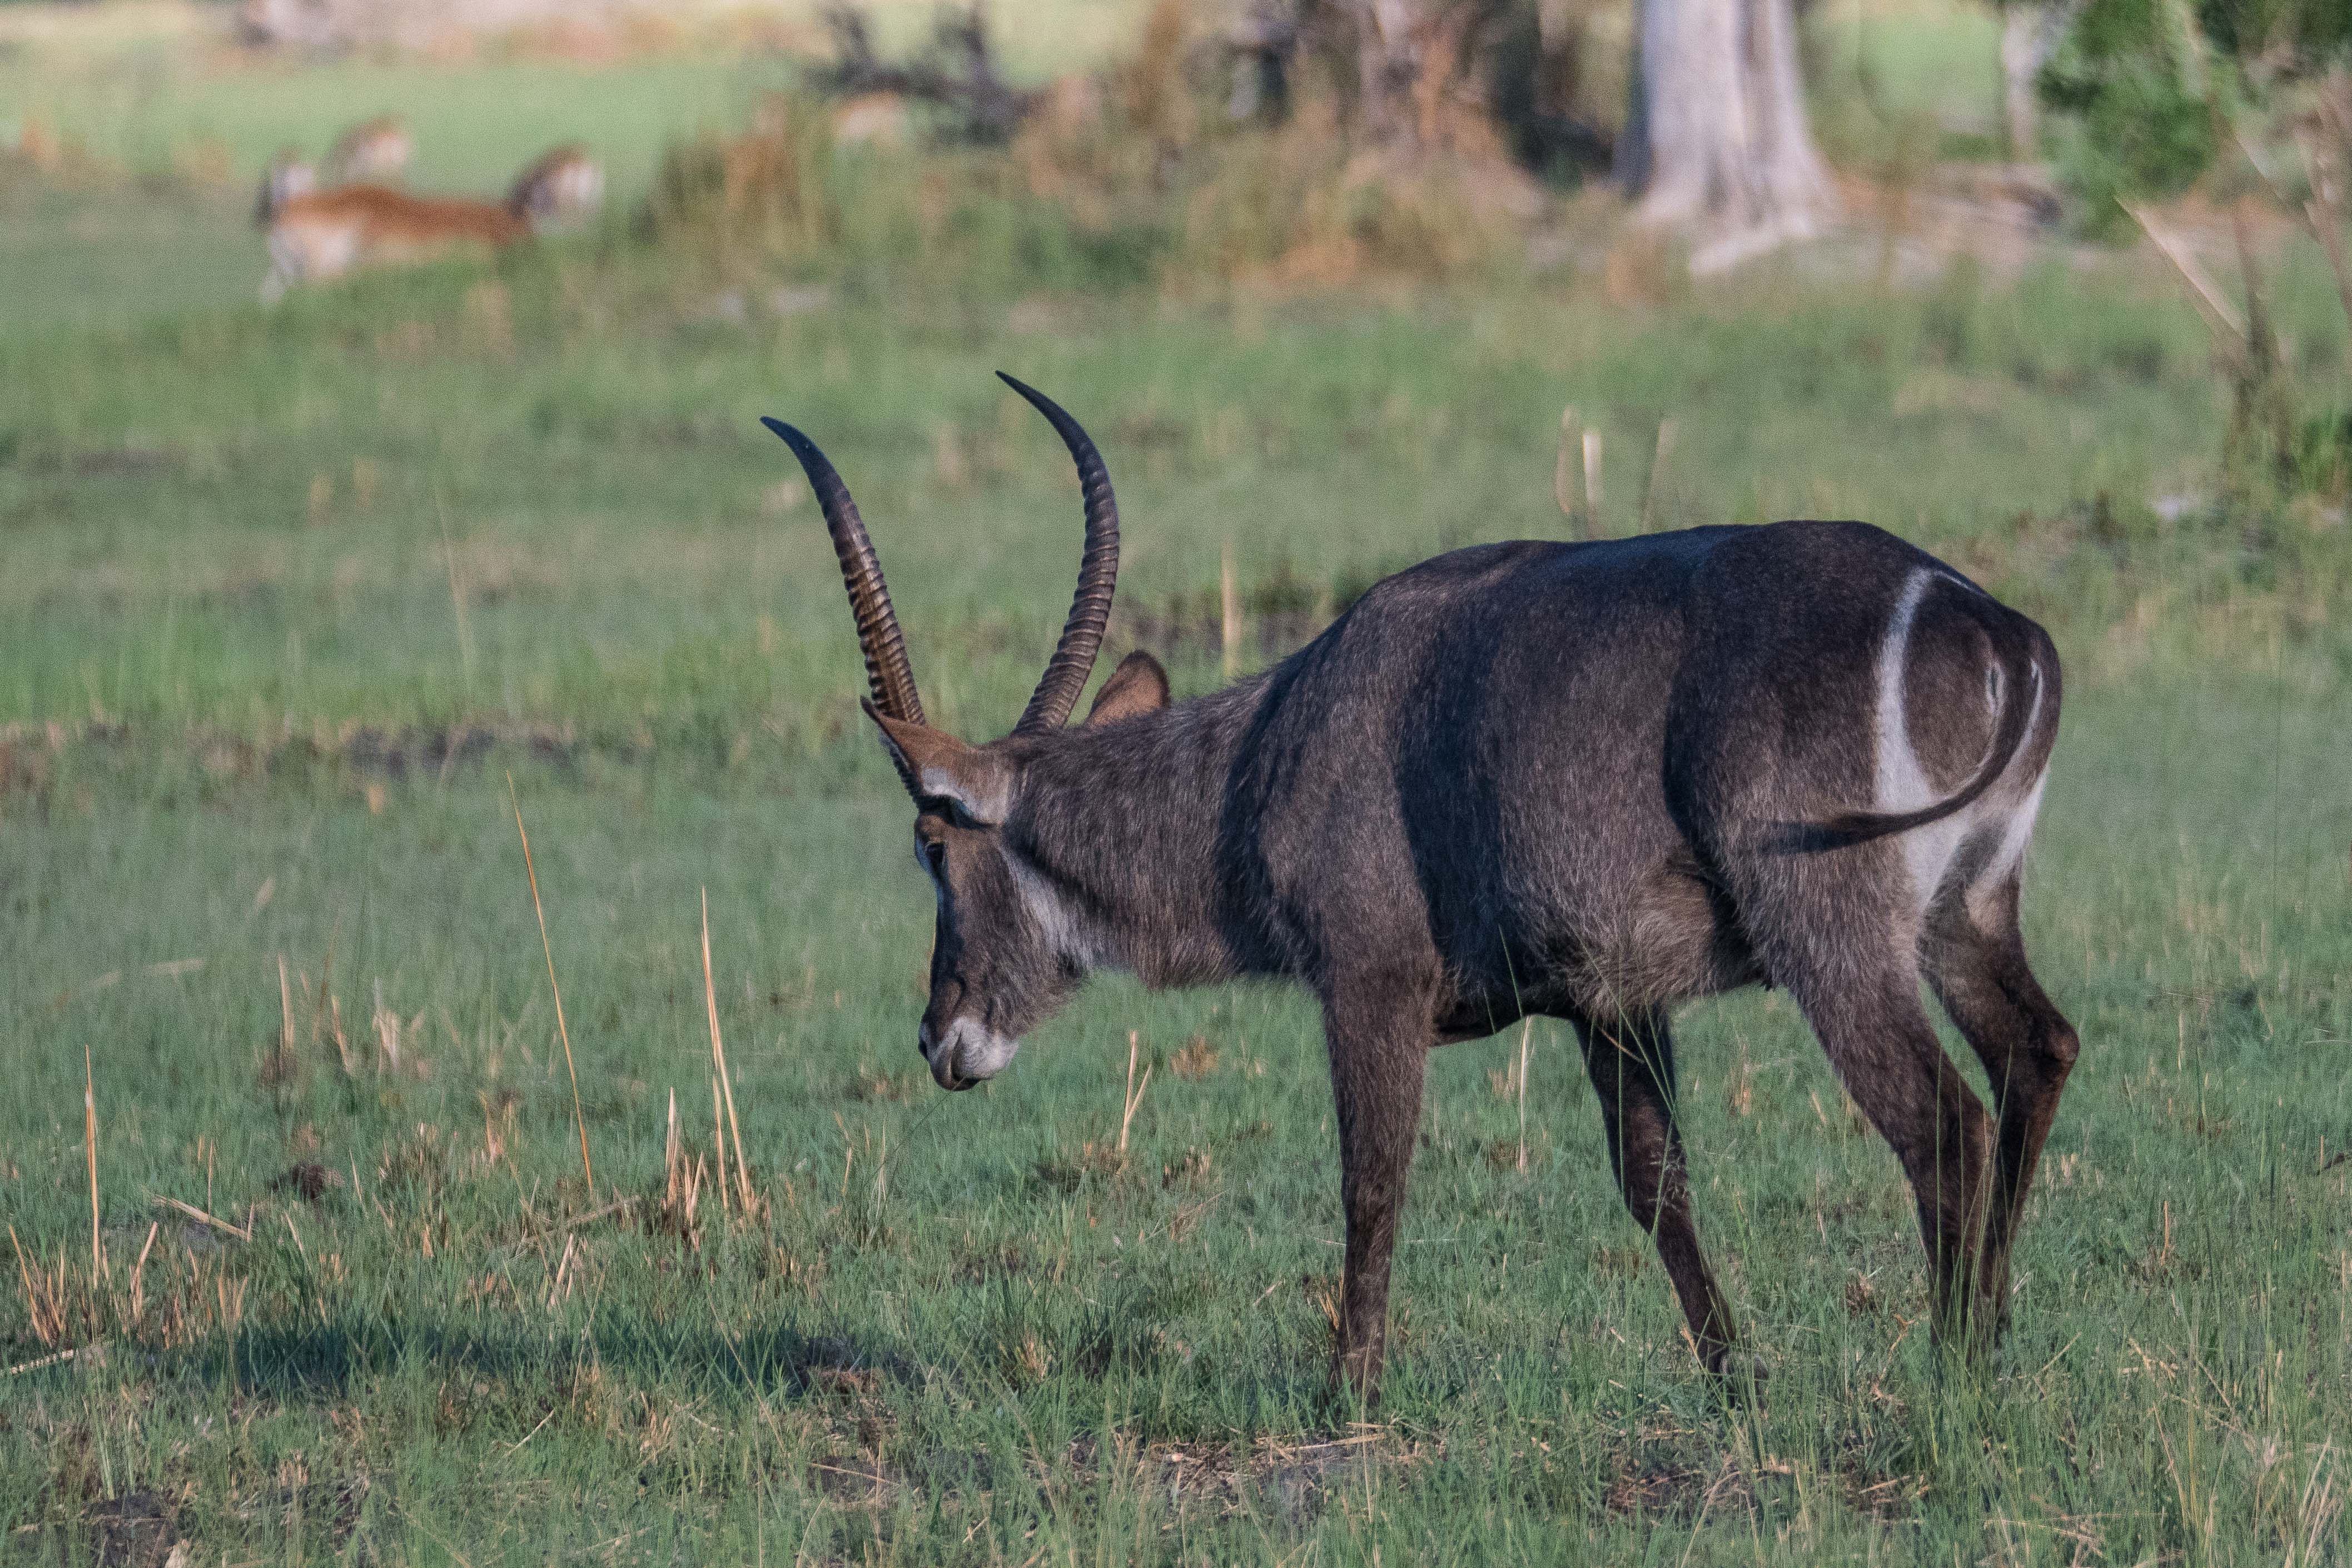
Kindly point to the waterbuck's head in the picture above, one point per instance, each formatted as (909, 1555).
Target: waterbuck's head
(1007, 951)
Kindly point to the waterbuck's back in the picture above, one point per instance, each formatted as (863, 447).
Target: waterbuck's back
(1543, 754)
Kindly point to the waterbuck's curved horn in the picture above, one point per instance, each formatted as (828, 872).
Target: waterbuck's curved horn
(1074, 657)
(886, 670)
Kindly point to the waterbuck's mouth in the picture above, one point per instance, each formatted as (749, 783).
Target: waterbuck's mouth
(968, 1053)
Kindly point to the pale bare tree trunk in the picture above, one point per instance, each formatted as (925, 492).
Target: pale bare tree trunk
(2019, 105)
(1389, 60)
(2031, 32)
(1717, 144)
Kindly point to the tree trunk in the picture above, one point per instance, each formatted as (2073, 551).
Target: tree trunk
(1717, 143)
(1388, 63)
(1412, 61)
(2018, 66)
(2031, 32)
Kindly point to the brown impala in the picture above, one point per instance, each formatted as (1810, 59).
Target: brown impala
(315, 235)
(1588, 782)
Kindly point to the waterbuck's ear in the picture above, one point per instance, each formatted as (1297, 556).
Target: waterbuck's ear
(937, 766)
(1138, 686)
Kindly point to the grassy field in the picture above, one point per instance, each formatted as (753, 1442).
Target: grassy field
(289, 595)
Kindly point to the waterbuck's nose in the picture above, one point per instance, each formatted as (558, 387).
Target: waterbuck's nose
(923, 1039)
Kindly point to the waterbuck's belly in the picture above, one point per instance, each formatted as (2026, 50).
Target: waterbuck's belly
(1657, 937)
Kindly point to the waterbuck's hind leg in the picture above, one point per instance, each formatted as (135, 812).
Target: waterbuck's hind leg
(1836, 930)
(1876, 1033)
(1979, 973)
(1377, 1040)
(1632, 1064)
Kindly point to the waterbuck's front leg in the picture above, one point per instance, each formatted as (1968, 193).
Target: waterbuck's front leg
(1378, 1038)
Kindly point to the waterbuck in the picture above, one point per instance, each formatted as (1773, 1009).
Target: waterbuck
(1586, 782)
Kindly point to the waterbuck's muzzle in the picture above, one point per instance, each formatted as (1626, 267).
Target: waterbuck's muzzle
(967, 1051)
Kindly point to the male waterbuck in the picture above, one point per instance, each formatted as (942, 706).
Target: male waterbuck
(1582, 780)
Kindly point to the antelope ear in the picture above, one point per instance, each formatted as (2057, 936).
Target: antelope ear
(937, 766)
(1138, 686)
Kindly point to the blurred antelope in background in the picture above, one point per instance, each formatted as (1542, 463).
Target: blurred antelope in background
(557, 189)
(373, 153)
(316, 234)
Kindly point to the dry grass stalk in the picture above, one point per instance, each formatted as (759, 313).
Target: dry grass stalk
(560, 1289)
(1563, 477)
(719, 1147)
(1592, 479)
(333, 1026)
(1657, 467)
(285, 1010)
(1527, 1031)
(1134, 1095)
(670, 1154)
(138, 1270)
(562, 1031)
(44, 1310)
(89, 1142)
(387, 1031)
(284, 1021)
(718, 1055)
(1229, 603)
(681, 1181)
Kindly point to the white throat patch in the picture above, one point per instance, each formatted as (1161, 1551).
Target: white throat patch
(1066, 933)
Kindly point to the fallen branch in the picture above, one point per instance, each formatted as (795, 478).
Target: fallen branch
(2212, 303)
(957, 73)
(96, 1352)
(214, 1220)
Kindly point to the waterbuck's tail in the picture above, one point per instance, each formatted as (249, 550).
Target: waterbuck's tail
(2022, 692)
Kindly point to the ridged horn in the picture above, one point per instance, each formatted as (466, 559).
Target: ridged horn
(886, 670)
(1074, 656)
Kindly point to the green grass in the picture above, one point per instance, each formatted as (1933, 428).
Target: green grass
(138, 84)
(262, 566)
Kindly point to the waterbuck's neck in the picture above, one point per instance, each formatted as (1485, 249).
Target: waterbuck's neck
(1127, 829)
